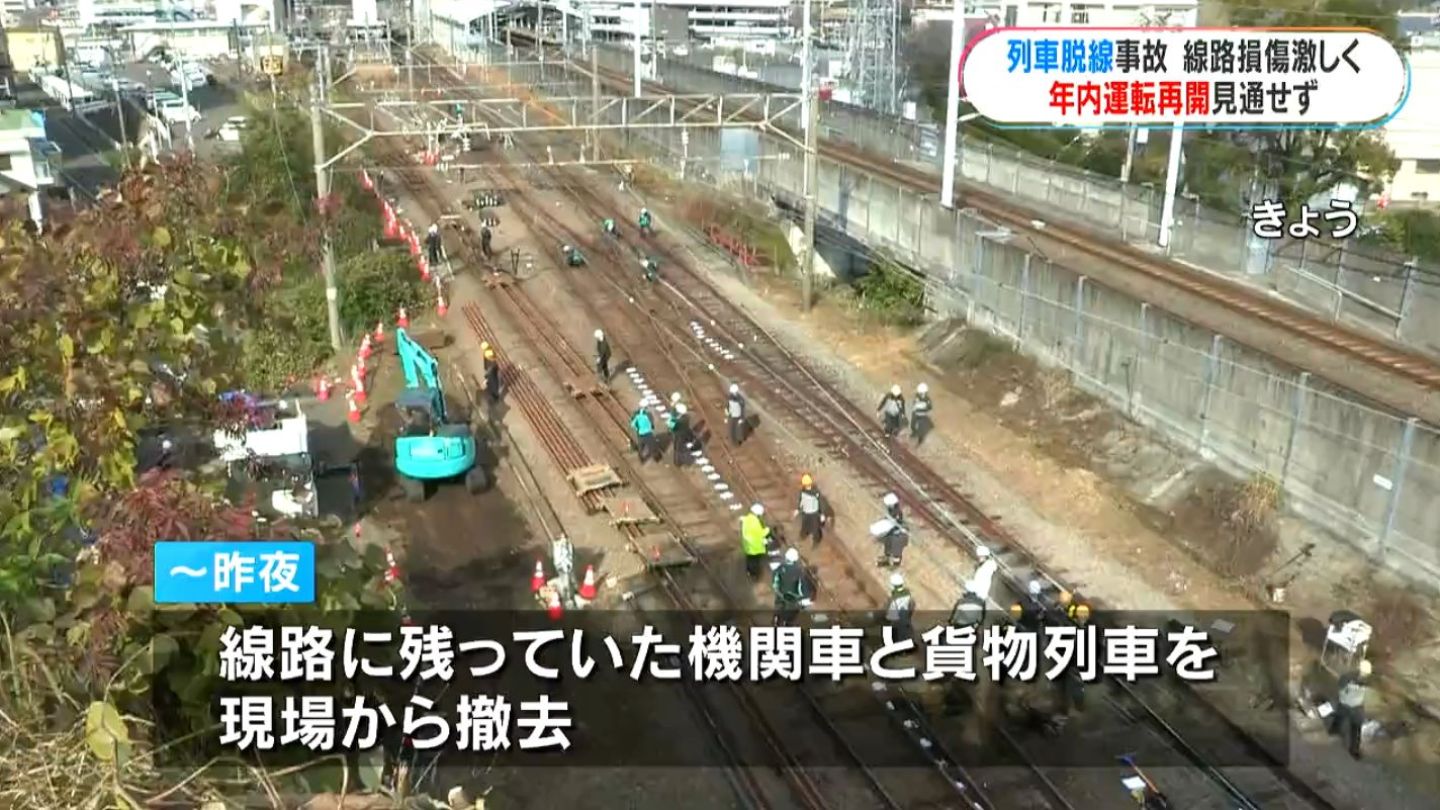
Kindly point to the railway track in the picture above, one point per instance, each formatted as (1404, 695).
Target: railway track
(849, 435)
(1315, 330)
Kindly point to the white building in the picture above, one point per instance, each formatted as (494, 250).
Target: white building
(200, 39)
(709, 20)
(1414, 134)
(28, 159)
(1098, 13)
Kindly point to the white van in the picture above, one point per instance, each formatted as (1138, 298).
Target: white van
(176, 111)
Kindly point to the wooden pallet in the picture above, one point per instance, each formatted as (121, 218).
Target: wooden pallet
(593, 478)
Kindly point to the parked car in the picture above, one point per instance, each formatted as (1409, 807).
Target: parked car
(233, 128)
(178, 112)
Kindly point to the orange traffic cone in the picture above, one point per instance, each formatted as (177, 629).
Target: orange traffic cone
(392, 568)
(440, 307)
(365, 181)
(424, 268)
(402, 321)
(322, 388)
(365, 347)
(353, 414)
(357, 381)
(380, 332)
(555, 611)
(414, 245)
(587, 588)
(537, 580)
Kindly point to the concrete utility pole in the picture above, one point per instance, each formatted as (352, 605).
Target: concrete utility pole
(594, 100)
(1172, 180)
(322, 191)
(807, 78)
(807, 272)
(638, 19)
(1129, 155)
(952, 107)
(120, 117)
(185, 99)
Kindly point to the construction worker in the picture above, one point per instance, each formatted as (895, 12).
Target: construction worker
(607, 226)
(485, 240)
(602, 356)
(735, 414)
(1349, 717)
(650, 268)
(434, 251)
(492, 376)
(920, 423)
(1032, 608)
(792, 588)
(675, 398)
(984, 574)
(754, 540)
(644, 432)
(572, 255)
(810, 509)
(969, 610)
(901, 609)
(892, 411)
(645, 229)
(896, 536)
(678, 422)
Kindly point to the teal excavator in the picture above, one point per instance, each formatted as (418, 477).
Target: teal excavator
(430, 448)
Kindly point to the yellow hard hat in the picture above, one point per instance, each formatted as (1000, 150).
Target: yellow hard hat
(1082, 612)
(1017, 610)
(484, 346)
(1066, 597)
(489, 354)
(806, 480)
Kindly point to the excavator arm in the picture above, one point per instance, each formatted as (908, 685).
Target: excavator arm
(422, 370)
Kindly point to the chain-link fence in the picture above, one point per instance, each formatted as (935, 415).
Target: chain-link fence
(1368, 474)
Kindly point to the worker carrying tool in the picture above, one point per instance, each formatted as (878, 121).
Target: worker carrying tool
(920, 423)
(607, 226)
(1349, 717)
(602, 356)
(810, 509)
(891, 532)
(644, 427)
(651, 269)
(900, 610)
(492, 376)
(892, 411)
(572, 255)
(678, 421)
(434, 251)
(792, 588)
(735, 414)
(754, 540)
(645, 222)
(485, 240)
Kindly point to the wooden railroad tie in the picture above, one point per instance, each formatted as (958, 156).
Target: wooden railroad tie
(593, 478)
(496, 279)
(629, 511)
(579, 389)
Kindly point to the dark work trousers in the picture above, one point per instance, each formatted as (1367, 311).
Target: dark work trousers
(485, 243)
(785, 611)
(357, 494)
(644, 445)
(1072, 693)
(755, 564)
(893, 547)
(920, 425)
(810, 525)
(678, 442)
(432, 253)
(602, 367)
(892, 425)
(1348, 722)
(737, 429)
(492, 382)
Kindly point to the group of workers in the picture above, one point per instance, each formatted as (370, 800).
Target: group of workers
(892, 413)
(677, 421)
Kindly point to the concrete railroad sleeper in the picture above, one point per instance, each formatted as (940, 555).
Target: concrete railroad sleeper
(1256, 304)
(919, 481)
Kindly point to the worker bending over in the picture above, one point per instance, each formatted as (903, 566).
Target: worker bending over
(900, 611)
(792, 588)
(810, 509)
(644, 427)
(572, 255)
(645, 223)
(754, 540)
(892, 411)
(650, 269)
(608, 227)
(920, 421)
(735, 414)
(894, 540)
(1350, 707)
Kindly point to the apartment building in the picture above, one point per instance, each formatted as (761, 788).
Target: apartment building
(1099, 13)
(1414, 133)
(713, 20)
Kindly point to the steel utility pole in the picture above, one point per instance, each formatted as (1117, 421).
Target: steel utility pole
(1172, 180)
(638, 15)
(322, 192)
(952, 107)
(594, 100)
(807, 272)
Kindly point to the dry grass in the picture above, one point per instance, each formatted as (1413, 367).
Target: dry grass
(1399, 620)
(1245, 532)
(1055, 388)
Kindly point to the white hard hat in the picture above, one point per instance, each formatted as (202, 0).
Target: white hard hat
(680, 409)
(1034, 587)
(166, 444)
(923, 388)
(1365, 669)
(644, 210)
(891, 499)
(675, 397)
(791, 555)
(599, 334)
(734, 389)
(434, 226)
(897, 579)
(757, 509)
(895, 389)
(983, 552)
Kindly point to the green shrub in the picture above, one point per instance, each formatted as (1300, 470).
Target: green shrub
(893, 293)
